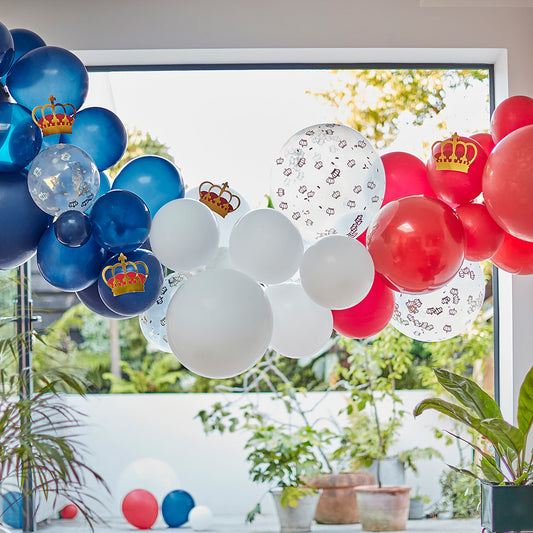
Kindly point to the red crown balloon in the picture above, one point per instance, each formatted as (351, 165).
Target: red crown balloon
(218, 198)
(52, 120)
(124, 280)
(455, 154)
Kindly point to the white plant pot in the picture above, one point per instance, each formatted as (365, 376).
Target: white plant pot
(296, 519)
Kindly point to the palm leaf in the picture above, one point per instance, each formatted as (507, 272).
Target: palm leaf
(525, 404)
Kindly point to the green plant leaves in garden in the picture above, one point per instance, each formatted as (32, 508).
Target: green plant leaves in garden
(525, 404)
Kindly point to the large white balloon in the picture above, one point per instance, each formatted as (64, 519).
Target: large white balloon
(184, 234)
(444, 313)
(328, 179)
(266, 245)
(219, 324)
(301, 327)
(337, 272)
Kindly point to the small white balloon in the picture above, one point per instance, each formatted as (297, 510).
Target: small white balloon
(184, 234)
(219, 324)
(200, 518)
(444, 313)
(266, 245)
(337, 272)
(301, 327)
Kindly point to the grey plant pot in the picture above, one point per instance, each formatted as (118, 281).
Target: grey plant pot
(416, 509)
(296, 519)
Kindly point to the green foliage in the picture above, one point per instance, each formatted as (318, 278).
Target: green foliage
(461, 494)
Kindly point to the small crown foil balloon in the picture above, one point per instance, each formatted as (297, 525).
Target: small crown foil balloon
(54, 118)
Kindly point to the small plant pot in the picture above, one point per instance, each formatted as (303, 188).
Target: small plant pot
(296, 519)
(383, 509)
(416, 509)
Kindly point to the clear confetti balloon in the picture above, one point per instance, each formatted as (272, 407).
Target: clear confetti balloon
(444, 313)
(328, 179)
(153, 321)
(63, 177)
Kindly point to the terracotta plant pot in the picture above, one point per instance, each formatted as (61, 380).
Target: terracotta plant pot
(383, 509)
(338, 503)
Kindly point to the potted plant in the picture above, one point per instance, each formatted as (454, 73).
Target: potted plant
(506, 482)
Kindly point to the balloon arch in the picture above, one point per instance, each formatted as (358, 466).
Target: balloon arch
(354, 241)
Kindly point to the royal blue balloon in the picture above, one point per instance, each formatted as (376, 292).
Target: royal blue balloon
(45, 71)
(176, 508)
(154, 179)
(4, 95)
(12, 509)
(24, 41)
(90, 297)
(7, 49)
(100, 133)
(20, 137)
(139, 262)
(69, 269)
(22, 223)
(121, 221)
(73, 228)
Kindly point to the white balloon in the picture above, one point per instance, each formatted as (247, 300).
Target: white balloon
(266, 245)
(239, 207)
(301, 327)
(200, 518)
(337, 272)
(222, 259)
(328, 179)
(153, 321)
(444, 313)
(184, 234)
(219, 324)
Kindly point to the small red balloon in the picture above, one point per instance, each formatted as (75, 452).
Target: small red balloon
(368, 317)
(69, 511)
(455, 169)
(513, 113)
(483, 236)
(508, 183)
(486, 141)
(140, 508)
(405, 175)
(417, 243)
(514, 256)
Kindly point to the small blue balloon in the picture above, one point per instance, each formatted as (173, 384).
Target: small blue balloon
(24, 41)
(154, 179)
(45, 71)
(90, 297)
(22, 222)
(69, 269)
(72, 228)
(176, 508)
(7, 49)
(121, 221)
(20, 137)
(101, 134)
(130, 283)
(12, 509)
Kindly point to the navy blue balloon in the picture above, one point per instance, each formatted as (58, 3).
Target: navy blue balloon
(4, 95)
(20, 137)
(100, 133)
(45, 71)
(24, 41)
(121, 221)
(153, 178)
(22, 223)
(73, 228)
(7, 49)
(12, 509)
(69, 269)
(90, 297)
(176, 508)
(130, 283)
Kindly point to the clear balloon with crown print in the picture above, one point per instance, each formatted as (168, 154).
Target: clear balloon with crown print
(153, 320)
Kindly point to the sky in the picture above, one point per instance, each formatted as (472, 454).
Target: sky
(229, 125)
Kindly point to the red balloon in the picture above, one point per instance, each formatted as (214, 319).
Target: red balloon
(483, 236)
(140, 508)
(514, 256)
(417, 243)
(513, 113)
(405, 175)
(368, 317)
(455, 169)
(486, 141)
(508, 183)
(69, 511)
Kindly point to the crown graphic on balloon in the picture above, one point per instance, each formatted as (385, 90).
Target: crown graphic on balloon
(54, 118)
(218, 198)
(455, 154)
(125, 276)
